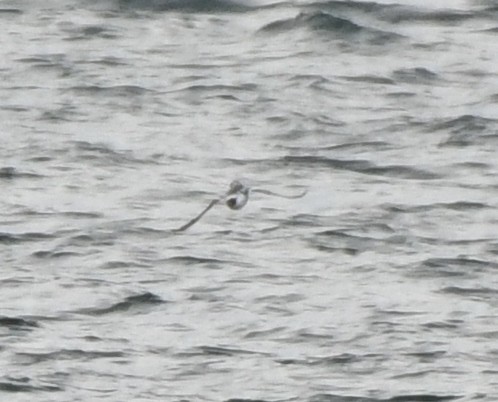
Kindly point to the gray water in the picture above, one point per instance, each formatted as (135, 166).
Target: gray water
(121, 120)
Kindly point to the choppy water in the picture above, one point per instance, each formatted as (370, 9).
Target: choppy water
(120, 120)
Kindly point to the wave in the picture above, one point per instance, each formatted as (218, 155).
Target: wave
(10, 172)
(100, 152)
(131, 302)
(395, 13)
(355, 165)
(27, 212)
(466, 130)
(10, 11)
(454, 206)
(89, 32)
(216, 88)
(337, 27)
(193, 6)
(23, 385)
(10, 238)
(216, 351)
(341, 241)
(341, 6)
(191, 260)
(27, 358)
(363, 166)
(398, 398)
(362, 146)
(370, 79)
(115, 90)
(18, 323)
(417, 75)
(316, 20)
(399, 14)
(340, 360)
(54, 254)
(475, 291)
(450, 267)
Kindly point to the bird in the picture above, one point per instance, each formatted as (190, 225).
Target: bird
(235, 198)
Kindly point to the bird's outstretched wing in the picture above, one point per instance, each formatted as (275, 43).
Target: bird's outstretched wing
(193, 221)
(268, 192)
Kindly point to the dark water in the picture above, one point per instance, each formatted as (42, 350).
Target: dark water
(120, 120)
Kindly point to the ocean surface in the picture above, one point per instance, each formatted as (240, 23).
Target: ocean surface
(120, 120)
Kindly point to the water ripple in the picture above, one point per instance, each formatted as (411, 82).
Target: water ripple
(336, 27)
(10, 172)
(417, 75)
(189, 6)
(18, 323)
(399, 398)
(23, 385)
(11, 238)
(129, 303)
(363, 166)
(28, 358)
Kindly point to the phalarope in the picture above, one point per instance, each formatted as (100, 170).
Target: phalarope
(235, 198)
